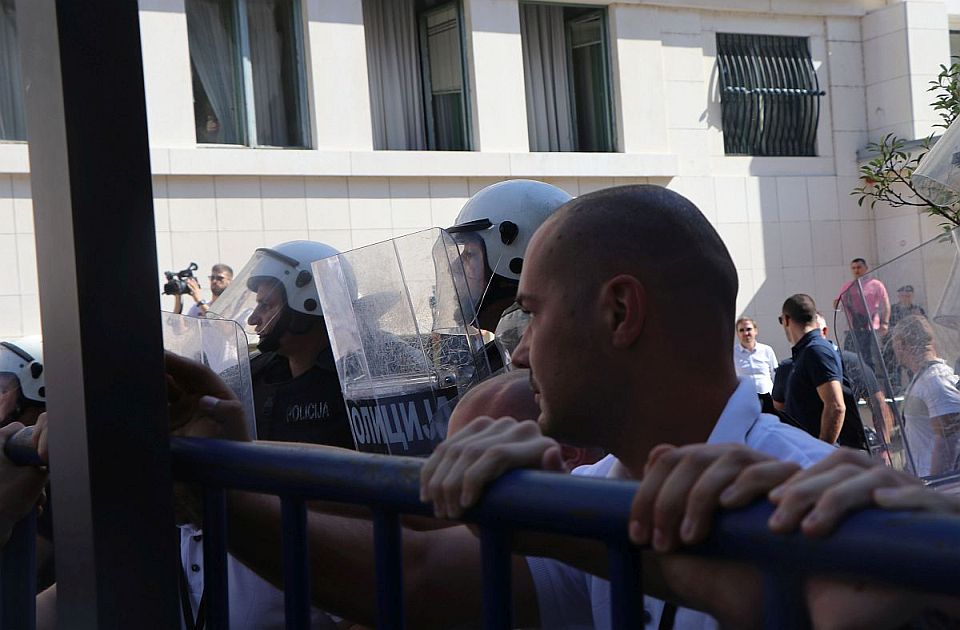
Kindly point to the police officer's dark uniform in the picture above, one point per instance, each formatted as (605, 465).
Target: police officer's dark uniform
(308, 408)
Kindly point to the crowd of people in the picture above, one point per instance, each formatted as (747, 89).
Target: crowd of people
(600, 386)
(889, 355)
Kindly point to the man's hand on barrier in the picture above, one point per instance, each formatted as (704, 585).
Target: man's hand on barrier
(682, 488)
(817, 499)
(455, 475)
(21, 487)
(200, 403)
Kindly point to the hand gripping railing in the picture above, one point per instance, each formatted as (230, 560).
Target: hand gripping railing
(914, 550)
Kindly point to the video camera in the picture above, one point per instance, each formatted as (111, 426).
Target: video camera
(177, 282)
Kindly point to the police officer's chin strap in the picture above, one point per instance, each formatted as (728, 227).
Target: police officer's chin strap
(289, 321)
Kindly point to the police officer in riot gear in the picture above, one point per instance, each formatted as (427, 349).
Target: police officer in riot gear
(493, 229)
(295, 385)
(22, 392)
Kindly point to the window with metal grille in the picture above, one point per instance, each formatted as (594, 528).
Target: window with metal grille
(769, 95)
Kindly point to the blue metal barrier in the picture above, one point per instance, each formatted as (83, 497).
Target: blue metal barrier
(18, 568)
(914, 550)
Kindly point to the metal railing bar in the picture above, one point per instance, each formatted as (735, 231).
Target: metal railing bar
(916, 550)
(626, 604)
(215, 603)
(784, 606)
(497, 574)
(296, 563)
(392, 483)
(389, 560)
(18, 567)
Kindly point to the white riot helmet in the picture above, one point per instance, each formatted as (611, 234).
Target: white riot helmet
(275, 292)
(24, 360)
(505, 215)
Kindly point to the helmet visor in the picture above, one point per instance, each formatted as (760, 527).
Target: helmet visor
(473, 258)
(511, 327)
(256, 297)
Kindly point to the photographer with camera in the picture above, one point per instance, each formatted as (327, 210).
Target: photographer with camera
(185, 283)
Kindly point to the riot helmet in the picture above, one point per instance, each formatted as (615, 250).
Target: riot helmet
(505, 215)
(495, 226)
(275, 292)
(21, 377)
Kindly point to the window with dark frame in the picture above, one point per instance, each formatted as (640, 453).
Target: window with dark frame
(954, 44)
(416, 68)
(567, 77)
(441, 54)
(769, 95)
(247, 65)
(13, 118)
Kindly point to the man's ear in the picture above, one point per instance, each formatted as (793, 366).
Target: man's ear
(625, 299)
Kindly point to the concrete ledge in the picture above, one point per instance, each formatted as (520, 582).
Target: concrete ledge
(14, 157)
(266, 162)
(229, 161)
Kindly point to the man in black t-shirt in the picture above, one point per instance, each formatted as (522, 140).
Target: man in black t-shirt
(859, 382)
(814, 394)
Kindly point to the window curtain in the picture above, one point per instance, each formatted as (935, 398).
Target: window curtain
(546, 78)
(274, 74)
(13, 121)
(396, 89)
(211, 36)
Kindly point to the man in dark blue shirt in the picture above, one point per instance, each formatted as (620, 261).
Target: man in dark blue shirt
(814, 396)
(859, 381)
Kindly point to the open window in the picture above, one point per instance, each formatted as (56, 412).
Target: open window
(415, 60)
(567, 78)
(247, 63)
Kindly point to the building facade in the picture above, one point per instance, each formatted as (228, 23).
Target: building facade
(354, 121)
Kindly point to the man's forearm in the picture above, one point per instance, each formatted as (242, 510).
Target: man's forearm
(831, 421)
(441, 577)
(883, 417)
(342, 574)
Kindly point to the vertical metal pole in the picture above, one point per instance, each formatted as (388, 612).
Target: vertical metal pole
(18, 566)
(784, 607)
(296, 564)
(626, 598)
(96, 255)
(216, 605)
(388, 551)
(497, 589)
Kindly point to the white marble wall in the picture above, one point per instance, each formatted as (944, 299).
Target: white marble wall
(790, 223)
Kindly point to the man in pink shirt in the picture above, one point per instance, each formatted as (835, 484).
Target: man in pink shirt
(868, 313)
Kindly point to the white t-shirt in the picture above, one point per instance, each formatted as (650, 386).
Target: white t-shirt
(758, 365)
(573, 599)
(932, 393)
(255, 604)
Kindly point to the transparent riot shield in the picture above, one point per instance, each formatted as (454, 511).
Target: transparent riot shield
(400, 319)
(912, 347)
(221, 345)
